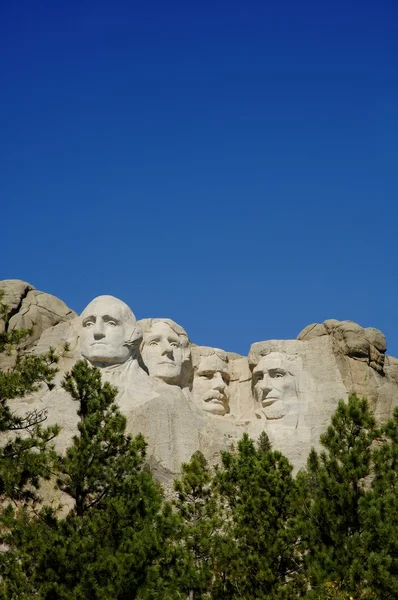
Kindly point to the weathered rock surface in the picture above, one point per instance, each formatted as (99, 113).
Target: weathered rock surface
(29, 307)
(184, 397)
(360, 354)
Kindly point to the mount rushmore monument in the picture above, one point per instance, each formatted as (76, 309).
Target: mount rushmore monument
(183, 397)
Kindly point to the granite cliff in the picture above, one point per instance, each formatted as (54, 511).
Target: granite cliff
(185, 397)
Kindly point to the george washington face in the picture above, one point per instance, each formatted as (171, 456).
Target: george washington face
(104, 331)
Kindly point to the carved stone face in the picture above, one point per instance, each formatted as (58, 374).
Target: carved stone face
(162, 353)
(104, 324)
(210, 385)
(274, 386)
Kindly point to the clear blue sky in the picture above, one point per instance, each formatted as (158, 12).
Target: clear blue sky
(231, 165)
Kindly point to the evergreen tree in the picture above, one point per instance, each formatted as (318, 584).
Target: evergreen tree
(332, 489)
(25, 453)
(105, 546)
(260, 557)
(24, 450)
(198, 507)
(380, 515)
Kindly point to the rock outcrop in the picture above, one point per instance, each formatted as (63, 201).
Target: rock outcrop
(360, 354)
(28, 307)
(184, 397)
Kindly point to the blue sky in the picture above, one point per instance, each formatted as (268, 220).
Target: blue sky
(231, 165)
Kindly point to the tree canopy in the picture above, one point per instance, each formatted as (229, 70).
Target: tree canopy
(244, 528)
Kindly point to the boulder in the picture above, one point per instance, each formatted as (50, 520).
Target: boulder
(30, 308)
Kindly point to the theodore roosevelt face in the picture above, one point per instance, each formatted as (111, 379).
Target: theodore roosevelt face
(210, 385)
(103, 331)
(274, 385)
(162, 353)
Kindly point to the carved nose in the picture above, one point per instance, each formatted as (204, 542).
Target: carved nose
(98, 331)
(167, 349)
(265, 388)
(219, 383)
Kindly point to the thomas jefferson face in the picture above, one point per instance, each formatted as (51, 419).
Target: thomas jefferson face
(103, 332)
(210, 385)
(274, 385)
(162, 353)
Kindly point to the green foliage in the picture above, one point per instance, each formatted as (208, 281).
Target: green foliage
(101, 455)
(331, 590)
(246, 530)
(199, 509)
(106, 545)
(26, 456)
(332, 490)
(24, 453)
(380, 515)
(260, 557)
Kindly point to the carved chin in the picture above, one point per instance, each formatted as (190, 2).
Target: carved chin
(275, 411)
(104, 355)
(166, 372)
(215, 407)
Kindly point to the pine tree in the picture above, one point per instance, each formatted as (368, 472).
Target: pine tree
(105, 546)
(260, 557)
(332, 489)
(26, 455)
(24, 451)
(197, 505)
(380, 516)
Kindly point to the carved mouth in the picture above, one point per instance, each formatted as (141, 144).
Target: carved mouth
(268, 400)
(215, 407)
(218, 398)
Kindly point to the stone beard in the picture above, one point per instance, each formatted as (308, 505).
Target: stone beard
(109, 332)
(274, 385)
(210, 384)
(163, 350)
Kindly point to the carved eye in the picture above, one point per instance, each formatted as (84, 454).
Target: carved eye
(207, 375)
(112, 323)
(258, 377)
(88, 323)
(277, 373)
(174, 345)
(153, 343)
